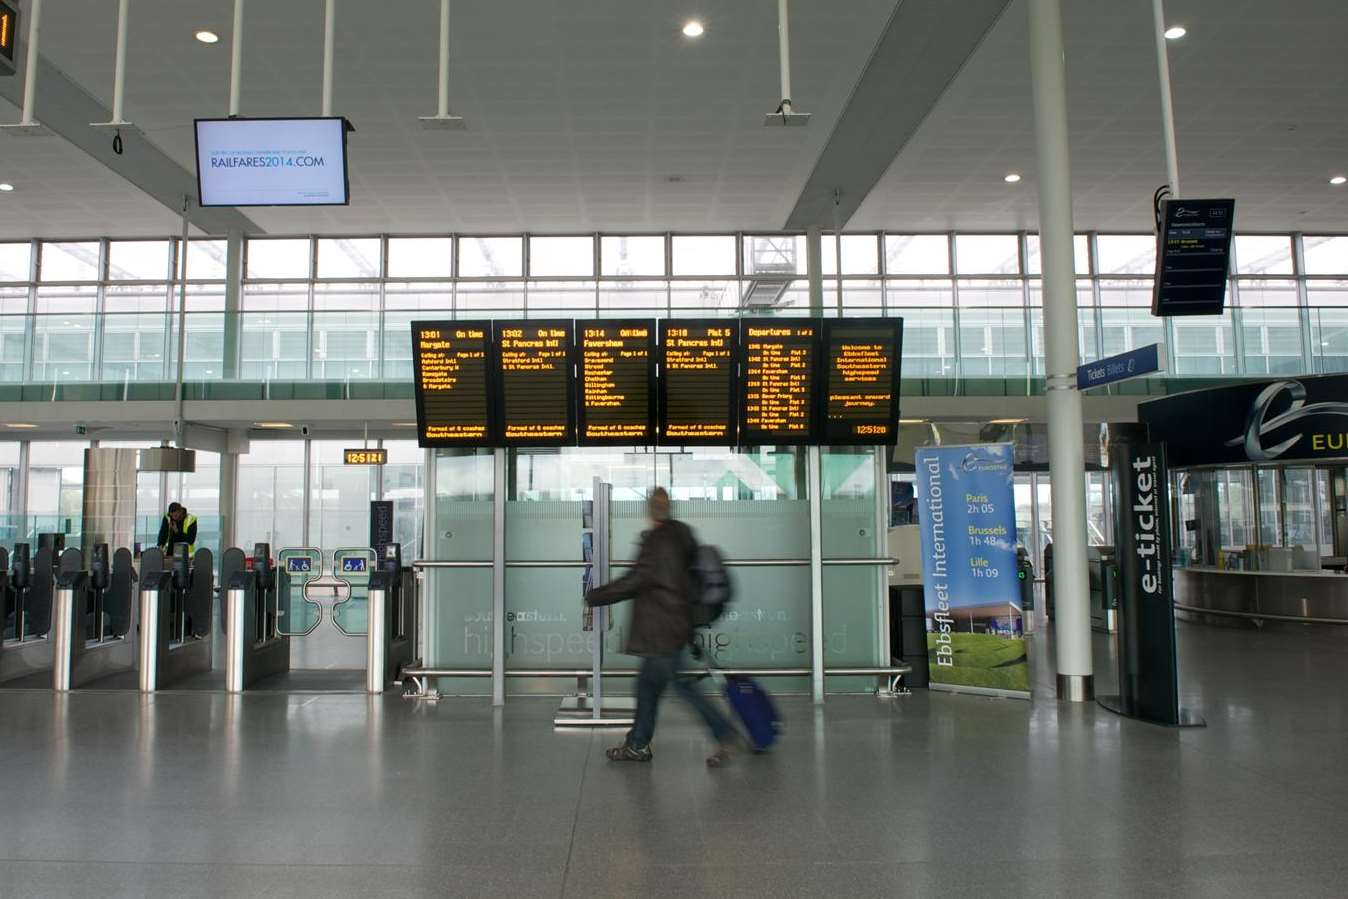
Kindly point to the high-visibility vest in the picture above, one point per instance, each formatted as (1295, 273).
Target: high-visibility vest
(187, 525)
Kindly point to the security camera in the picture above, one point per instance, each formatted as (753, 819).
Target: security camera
(304, 430)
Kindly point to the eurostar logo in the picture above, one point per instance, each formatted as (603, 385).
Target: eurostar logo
(1259, 423)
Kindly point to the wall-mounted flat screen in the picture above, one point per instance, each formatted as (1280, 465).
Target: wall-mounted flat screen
(272, 162)
(778, 381)
(698, 358)
(452, 381)
(861, 384)
(535, 382)
(615, 363)
(1193, 254)
(9, 26)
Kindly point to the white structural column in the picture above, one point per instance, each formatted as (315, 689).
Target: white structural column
(814, 258)
(1065, 453)
(233, 291)
(1167, 108)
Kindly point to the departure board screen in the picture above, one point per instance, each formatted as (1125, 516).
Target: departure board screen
(451, 373)
(861, 394)
(616, 367)
(535, 382)
(777, 394)
(697, 382)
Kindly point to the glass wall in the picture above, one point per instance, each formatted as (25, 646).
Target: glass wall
(271, 495)
(337, 309)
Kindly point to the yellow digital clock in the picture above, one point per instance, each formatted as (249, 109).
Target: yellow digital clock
(365, 456)
(9, 26)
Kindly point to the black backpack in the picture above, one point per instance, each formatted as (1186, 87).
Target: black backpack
(711, 590)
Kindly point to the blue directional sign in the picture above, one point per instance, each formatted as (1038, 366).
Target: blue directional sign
(1132, 364)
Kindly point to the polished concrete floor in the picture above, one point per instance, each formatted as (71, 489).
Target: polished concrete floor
(104, 794)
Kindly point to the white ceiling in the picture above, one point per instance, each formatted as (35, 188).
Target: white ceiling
(579, 112)
(1260, 106)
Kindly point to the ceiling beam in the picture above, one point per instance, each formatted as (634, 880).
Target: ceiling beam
(65, 108)
(922, 49)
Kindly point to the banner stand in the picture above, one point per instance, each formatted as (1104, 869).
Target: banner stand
(1148, 655)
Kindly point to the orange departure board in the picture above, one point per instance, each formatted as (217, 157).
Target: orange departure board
(535, 382)
(777, 377)
(615, 364)
(861, 399)
(451, 374)
(698, 358)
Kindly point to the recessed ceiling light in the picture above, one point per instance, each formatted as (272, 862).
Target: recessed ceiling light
(1007, 421)
(6, 186)
(693, 28)
(404, 424)
(1336, 180)
(1012, 177)
(912, 421)
(207, 37)
(1175, 32)
(18, 424)
(273, 425)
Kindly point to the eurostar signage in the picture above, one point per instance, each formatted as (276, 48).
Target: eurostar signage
(1136, 363)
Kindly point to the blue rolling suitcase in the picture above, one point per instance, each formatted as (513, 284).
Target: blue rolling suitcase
(755, 709)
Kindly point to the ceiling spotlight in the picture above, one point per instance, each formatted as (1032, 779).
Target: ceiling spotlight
(19, 425)
(272, 425)
(1336, 180)
(693, 28)
(1175, 32)
(1012, 178)
(6, 186)
(207, 37)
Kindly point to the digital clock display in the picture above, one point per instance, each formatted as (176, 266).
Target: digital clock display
(9, 26)
(365, 456)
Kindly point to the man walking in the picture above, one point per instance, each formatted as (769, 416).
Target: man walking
(660, 630)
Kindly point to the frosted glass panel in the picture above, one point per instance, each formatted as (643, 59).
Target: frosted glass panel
(458, 609)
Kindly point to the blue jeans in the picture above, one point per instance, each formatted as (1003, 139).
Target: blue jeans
(657, 673)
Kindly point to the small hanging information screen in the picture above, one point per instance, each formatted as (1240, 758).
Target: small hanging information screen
(452, 383)
(1193, 256)
(616, 368)
(697, 382)
(777, 396)
(535, 382)
(861, 401)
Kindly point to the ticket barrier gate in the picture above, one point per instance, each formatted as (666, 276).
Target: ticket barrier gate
(91, 615)
(391, 636)
(175, 617)
(254, 648)
(26, 647)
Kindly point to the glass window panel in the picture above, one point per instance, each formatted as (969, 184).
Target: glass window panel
(13, 340)
(491, 257)
(346, 296)
(1325, 255)
(270, 505)
(63, 347)
(634, 255)
(1126, 293)
(992, 343)
(1127, 329)
(990, 294)
(1088, 346)
(774, 254)
(206, 260)
(139, 260)
(55, 489)
(647, 298)
(928, 342)
(860, 254)
(346, 345)
(906, 294)
(348, 257)
(201, 298)
(917, 254)
(277, 258)
(1272, 340)
(140, 298)
(420, 257)
(487, 299)
(560, 299)
(703, 254)
(860, 297)
(707, 297)
(1266, 292)
(564, 257)
(1259, 254)
(279, 297)
(1081, 254)
(1203, 345)
(427, 296)
(15, 261)
(205, 347)
(1126, 254)
(339, 497)
(987, 254)
(1329, 339)
(69, 261)
(134, 346)
(403, 485)
(1327, 293)
(58, 300)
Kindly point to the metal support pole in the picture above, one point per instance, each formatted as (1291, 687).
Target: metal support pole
(306, 489)
(178, 425)
(236, 59)
(816, 575)
(603, 493)
(233, 303)
(119, 67)
(1167, 110)
(376, 643)
(886, 653)
(814, 268)
(1066, 454)
(234, 629)
(147, 664)
(429, 580)
(30, 65)
(784, 52)
(442, 102)
(63, 636)
(498, 578)
(329, 26)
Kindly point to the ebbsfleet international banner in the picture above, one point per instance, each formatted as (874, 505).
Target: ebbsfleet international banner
(966, 513)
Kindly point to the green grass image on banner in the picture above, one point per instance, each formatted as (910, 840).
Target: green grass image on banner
(983, 660)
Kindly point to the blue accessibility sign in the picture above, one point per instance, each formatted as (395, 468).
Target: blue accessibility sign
(1136, 363)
